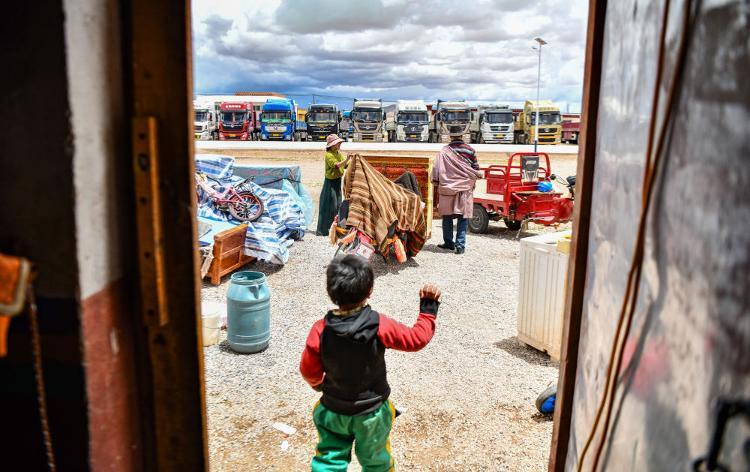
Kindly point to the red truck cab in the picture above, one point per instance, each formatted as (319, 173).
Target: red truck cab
(237, 121)
(571, 127)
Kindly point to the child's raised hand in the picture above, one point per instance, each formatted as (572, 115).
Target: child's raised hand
(430, 291)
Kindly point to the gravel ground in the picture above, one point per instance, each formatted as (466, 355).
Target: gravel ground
(469, 395)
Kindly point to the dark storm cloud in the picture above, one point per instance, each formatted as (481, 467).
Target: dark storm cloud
(373, 56)
(392, 48)
(258, 47)
(217, 26)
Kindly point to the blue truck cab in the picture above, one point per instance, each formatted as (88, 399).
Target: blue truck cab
(347, 127)
(278, 120)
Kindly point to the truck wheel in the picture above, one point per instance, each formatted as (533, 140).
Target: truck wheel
(480, 221)
(513, 225)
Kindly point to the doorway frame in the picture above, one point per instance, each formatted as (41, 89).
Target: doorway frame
(577, 268)
(157, 54)
(157, 45)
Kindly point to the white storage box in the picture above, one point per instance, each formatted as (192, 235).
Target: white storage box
(541, 295)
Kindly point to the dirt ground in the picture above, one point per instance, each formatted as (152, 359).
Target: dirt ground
(468, 396)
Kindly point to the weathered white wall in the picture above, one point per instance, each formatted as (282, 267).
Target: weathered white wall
(689, 343)
(92, 34)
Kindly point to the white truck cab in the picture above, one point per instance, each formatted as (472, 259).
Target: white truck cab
(368, 120)
(205, 121)
(407, 121)
(492, 124)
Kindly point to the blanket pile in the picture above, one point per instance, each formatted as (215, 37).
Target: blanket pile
(284, 217)
(376, 204)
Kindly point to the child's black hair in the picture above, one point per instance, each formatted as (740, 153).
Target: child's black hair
(349, 280)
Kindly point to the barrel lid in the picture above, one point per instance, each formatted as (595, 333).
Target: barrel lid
(248, 277)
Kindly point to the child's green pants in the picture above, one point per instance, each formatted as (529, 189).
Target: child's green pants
(370, 434)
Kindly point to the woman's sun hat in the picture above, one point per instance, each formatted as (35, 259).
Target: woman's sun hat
(332, 140)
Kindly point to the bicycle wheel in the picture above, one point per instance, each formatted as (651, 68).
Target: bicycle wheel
(246, 206)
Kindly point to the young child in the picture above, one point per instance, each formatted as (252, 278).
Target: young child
(343, 358)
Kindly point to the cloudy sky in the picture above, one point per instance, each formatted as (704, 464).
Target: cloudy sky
(451, 49)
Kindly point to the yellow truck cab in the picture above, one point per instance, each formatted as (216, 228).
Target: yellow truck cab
(550, 124)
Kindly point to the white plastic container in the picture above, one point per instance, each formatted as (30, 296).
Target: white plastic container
(541, 295)
(211, 321)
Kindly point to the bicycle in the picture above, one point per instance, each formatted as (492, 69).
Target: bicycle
(239, 201)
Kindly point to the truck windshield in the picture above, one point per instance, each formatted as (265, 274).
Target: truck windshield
(455, 115)
(367, 115)
(276, 115)
(233, 116)
(322, 116)
(546, 118)
(201, 115)
(498, 118)
(420, 117)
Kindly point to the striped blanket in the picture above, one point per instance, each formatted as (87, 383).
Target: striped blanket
(376, 203)
(283, 222)
(216, 166)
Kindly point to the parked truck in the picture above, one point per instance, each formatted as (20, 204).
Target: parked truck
(278, 120)
(492, 124)
(571, 127)
(346, 125)
(550, 129)
(204, 121)
(368, 120)
(322, 120)
(450, 118)
(407, 121)
(236, 121)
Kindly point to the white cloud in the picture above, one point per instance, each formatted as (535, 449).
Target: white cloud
(475, 49)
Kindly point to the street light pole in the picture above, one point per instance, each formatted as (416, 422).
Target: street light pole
(538, 81)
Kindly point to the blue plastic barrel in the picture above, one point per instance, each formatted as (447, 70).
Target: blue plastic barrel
(248, 312)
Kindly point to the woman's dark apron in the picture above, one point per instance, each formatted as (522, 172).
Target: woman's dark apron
(330, 200)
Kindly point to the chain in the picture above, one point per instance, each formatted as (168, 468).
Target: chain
(39, 376)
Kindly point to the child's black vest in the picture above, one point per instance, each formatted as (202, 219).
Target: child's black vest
(353, 359)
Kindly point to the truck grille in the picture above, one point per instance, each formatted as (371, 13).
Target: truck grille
(368, 127)
(232, 127)
(199, 128)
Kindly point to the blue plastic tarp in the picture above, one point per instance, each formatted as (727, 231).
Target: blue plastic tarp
(282, 177)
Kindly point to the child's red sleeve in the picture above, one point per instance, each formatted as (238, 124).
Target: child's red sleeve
(310, 366)
(398, 336)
